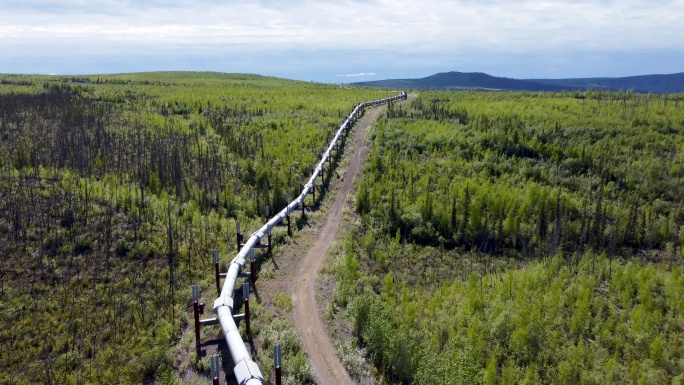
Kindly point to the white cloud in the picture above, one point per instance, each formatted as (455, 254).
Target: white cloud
(429, 25)
(424, 29)
(356, 75)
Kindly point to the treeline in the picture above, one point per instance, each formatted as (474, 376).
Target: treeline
(209, 154)
(481, 172)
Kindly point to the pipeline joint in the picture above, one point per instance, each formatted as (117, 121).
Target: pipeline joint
(247, 370)
(222, 301)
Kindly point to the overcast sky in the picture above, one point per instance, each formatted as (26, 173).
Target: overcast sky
(343, 40)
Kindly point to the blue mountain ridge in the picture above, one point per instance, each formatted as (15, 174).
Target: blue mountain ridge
(672, 83)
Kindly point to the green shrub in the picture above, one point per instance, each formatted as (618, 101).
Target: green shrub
(297, 369)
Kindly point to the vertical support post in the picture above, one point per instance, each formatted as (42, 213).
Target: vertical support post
(238, 236)
(268, 217)
(252, 266)
(245, 295)
(217, 273)
(313, 190)
(278, 363)
(195, 310)
(301, 190)
(215, 369)
(289, 227)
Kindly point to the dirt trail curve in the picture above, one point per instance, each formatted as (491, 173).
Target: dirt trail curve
(310, 327)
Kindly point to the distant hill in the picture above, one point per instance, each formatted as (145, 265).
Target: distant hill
(465, 80)
(673, 83)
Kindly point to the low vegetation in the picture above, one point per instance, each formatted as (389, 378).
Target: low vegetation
(513, 238)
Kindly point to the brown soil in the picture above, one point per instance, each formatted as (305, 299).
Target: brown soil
(307, 319)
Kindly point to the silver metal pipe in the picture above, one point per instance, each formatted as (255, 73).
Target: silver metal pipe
(246, 371)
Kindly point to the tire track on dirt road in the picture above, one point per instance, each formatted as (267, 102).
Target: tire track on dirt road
(312, 331)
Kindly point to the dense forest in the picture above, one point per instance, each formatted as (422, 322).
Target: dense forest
(521, 238)
(113, 191)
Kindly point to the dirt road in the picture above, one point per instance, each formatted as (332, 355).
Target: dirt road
(311, 329)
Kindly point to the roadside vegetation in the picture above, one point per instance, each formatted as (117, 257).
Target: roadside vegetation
(511, 238)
